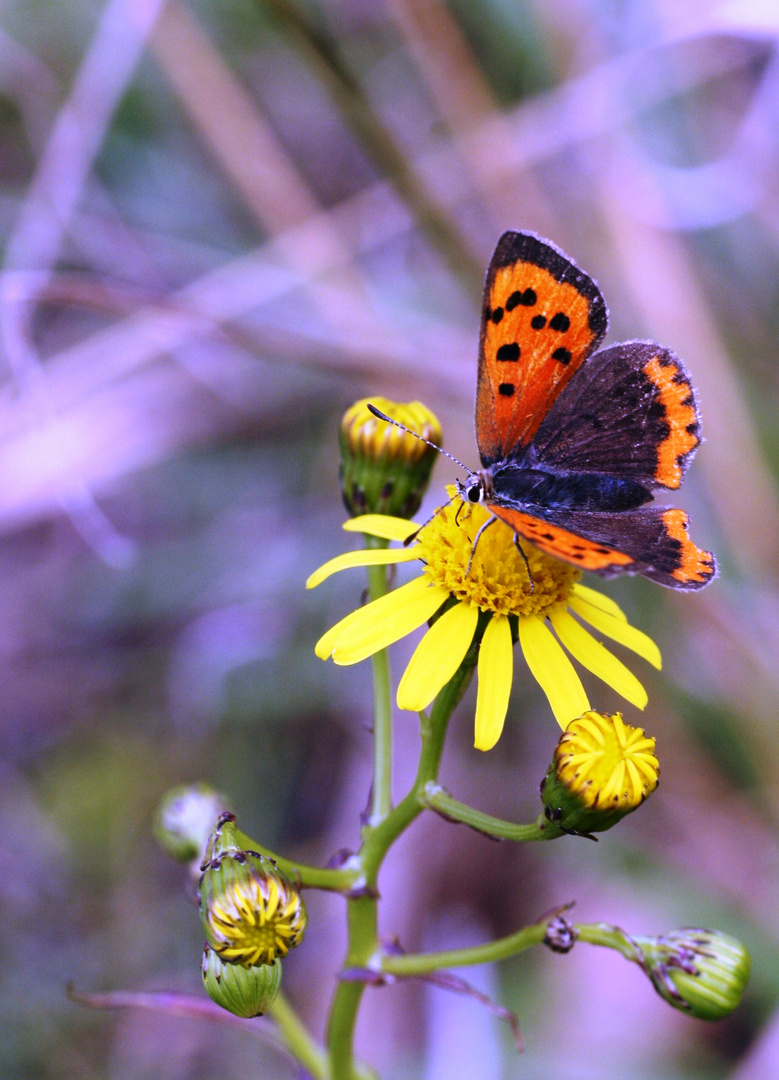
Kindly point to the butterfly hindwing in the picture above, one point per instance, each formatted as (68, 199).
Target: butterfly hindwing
(652, 541)
(631, 413)
(542, 317)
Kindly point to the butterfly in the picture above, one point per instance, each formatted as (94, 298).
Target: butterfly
(573, 442)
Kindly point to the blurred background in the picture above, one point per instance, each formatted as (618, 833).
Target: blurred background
(222, 223)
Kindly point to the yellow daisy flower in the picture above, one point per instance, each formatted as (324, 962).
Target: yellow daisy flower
(456, 586)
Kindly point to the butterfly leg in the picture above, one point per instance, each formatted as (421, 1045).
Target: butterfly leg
(477, 537)
(521, 551)
(437, 511)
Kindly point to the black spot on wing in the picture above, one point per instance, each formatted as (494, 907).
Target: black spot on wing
(509, 351)
(538, 322)
(562, 355)
(559, 322)
(518, 298)
(506, 389)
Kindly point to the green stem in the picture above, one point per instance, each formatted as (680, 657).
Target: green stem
(305, 877)
(362, 911)
(303, 1048)
(436, 798)
(378, 840)
(426, 963)
(381, 802)
(611, 937)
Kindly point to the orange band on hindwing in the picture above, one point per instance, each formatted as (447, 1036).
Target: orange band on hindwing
(695, 564)
(675, 394)
(561, 543)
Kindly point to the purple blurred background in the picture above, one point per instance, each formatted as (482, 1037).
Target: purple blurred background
(222, 224)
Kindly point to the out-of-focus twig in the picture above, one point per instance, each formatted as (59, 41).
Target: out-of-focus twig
(268, 179)
(325, 57)
(676, 312)
(479, 129)
(50, 203)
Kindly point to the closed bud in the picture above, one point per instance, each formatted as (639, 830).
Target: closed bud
(602, 770)
(385, 470)
(186, 818)
(701, 972)
(246, 992)
(251, 912)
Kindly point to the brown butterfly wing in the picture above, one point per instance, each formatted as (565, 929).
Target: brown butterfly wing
(542, 318)
(652, 541)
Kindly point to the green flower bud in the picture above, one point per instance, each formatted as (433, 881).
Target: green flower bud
(243, 991)
(186, 818)
(701, 972)
(602, 770)
(385, 470)
(251, 912)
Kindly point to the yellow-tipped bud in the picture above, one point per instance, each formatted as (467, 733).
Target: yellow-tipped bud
(251, 912)
(602, 770)
(385, 470)
(243, 991)
(701, 972)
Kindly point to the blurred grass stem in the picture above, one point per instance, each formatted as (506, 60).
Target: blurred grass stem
(325, 58)
(381, 801)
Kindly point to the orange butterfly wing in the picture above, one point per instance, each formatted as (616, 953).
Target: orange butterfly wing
(542, 318)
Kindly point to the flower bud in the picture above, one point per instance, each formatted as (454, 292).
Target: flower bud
(602, 770)
(251, 912)
(385, 470)
(186, 818)
(701, 972)
(243, 991)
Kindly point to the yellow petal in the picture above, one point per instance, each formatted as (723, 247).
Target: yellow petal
(552, 670)
(437, 656)
(496, 669)
(383, 525)
(617, 630)
(366, 557)
(598, 600)
(597, 659)
(388, 619)
(325, 647)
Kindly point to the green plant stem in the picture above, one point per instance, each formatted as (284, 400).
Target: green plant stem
(611, 937)
(300, 1044)
(381, 802)
(362, 911)
(305, 877)
(603, 934)
(426, 963)
(303, 1048)
(441, 801)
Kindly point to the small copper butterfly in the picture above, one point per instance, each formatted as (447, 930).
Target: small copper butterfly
(574, 442)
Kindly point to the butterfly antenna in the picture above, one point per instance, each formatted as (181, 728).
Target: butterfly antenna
(397, 423)
(424, 525)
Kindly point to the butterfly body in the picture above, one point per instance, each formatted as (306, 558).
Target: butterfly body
(575, 442)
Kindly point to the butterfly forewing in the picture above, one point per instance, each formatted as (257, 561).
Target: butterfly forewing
(542, 318)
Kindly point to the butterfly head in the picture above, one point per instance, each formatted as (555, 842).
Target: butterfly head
(477, 488)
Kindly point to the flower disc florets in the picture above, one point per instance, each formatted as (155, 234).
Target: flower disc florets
(602, 770)
(494, 575)
(251, 913)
